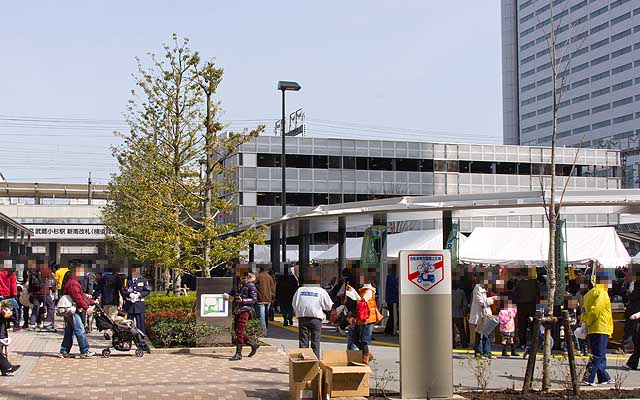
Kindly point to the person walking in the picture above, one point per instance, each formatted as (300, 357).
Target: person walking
(391, 298)
(73, 323)
(459, 306)
(244, 299)
(108, 295)
(367, 315)
(631, 316)
(526, 293)
(480, 309)
(310, 303)
(285, 289)
(135, 290)
(9, 291)
(266, 287)
(599, 319)
(40, 292)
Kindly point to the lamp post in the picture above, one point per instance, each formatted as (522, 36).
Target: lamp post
(294, 87)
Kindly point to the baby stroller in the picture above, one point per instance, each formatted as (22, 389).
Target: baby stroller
(124, 333)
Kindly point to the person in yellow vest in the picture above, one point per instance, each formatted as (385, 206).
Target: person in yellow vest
(597, 315)
(365, 321)
(58, 274)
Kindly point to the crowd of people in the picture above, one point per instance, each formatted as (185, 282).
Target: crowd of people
(502, 304)
(71, 293)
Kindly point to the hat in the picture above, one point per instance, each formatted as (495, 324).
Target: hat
(250, 277)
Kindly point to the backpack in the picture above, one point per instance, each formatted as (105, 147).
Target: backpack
(35, 281)
(362, 311)
(65, 306)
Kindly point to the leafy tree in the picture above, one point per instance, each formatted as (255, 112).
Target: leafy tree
(160, 210)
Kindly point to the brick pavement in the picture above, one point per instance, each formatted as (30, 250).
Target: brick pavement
(123, 376)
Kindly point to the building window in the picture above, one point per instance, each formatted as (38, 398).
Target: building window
(362, 163)
(321, 162)
(601, 124)
(564, 119)
(618, 3)
(621, 18)
(544, 110)
(299, 161)
(599, 76)
(581, 114)
(581, 129)
(464, 167)
(528, 59)
(526, 18)
(524, 169)
(528, 87)
(580, 98)
(580, 67)
(407, 164)
(600, 60)
(599, 44)
(599, 11)
(439, 165)
(600, 92)
(527, 45)
(528, 129)
(621, 35)
(483, 167)
(579, 83)
(622, 119)
(578, 6)
(335, 162)
(621, 68)
(580, 52)
(380, 164)
(507, 168)
(622, 102)
(598, 28)
(543, 81)
(528, 101)
(269, 160)
(620, 52)
(268, 199)
(543, 96)
(348, 162)
(601, 108)
(426, 165)
(349, 197)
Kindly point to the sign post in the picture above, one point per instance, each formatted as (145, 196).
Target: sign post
(426, 363)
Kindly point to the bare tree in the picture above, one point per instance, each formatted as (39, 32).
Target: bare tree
(561, 55)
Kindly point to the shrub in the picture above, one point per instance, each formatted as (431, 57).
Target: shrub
(177, 314)
(160, 302)
(184, 333)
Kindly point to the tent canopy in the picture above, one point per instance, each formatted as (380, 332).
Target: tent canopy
(410, 240)
(262, 254)
(531, 246)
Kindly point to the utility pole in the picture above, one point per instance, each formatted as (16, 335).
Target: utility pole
(89, 189)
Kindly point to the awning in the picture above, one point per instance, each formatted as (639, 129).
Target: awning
(262, 254)
(410, 240)
(531, 246)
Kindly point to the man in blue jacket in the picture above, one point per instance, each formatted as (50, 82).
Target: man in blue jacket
(134, 292)
(108, 291)
(391, 298)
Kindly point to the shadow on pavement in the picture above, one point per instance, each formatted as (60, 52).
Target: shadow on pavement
(261, 370)
(270, 394)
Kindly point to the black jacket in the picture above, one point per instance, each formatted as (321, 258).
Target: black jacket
(634, 301)
(109, 289)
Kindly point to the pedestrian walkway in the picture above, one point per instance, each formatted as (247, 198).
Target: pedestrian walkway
(123, 376)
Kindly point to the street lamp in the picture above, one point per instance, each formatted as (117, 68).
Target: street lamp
(294, 87)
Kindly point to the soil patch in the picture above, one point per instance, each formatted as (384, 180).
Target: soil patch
(553, 395)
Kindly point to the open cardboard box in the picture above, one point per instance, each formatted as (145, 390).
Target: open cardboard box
(305, 375)
(345, 374)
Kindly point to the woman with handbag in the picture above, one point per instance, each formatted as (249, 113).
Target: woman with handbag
(367, 315)
(72, 300)
(481, 316)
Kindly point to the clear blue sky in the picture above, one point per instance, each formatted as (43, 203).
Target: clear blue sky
(430, 66)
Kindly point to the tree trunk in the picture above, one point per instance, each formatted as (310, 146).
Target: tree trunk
(177, 282)
(208, 193)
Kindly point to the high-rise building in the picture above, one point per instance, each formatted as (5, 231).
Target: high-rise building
(597, 47)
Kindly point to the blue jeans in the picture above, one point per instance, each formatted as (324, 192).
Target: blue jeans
(598, 363)
(363, 337)
(263, 312)
(73, 326)
(353, 338)
(483, 345)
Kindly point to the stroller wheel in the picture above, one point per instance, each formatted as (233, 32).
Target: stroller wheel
(139, 352)
(106, 353)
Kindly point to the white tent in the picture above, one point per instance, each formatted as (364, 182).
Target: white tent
(262, 254)
(410, 240)
(530, 246)
(635, 259)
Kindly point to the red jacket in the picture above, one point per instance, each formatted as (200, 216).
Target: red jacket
(73, 289)
(8, 286)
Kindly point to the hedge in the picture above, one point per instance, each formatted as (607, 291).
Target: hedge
(158, 301)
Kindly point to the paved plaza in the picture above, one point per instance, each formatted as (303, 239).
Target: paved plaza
(211, 376)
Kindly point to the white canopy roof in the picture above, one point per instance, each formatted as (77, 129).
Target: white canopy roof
(410, 240)
(530, 246)
(262, 254)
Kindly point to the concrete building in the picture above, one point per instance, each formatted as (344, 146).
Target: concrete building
(332, 171)
(599, 44)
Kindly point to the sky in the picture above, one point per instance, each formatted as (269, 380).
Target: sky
(421, 70)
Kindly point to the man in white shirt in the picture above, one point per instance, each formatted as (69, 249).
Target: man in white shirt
(310, 303)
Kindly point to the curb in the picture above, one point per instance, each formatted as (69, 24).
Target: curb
(205, 350)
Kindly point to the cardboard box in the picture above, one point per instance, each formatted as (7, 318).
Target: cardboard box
(344, 374)
(305, 375)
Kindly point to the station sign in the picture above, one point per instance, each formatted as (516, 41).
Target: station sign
(75, 231)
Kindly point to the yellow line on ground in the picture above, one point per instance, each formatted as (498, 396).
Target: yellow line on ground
(458, 351)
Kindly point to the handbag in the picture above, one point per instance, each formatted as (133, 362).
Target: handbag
(487, 324)
(65, 306)
(379, 316)
(581, 332)
(24, 298)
